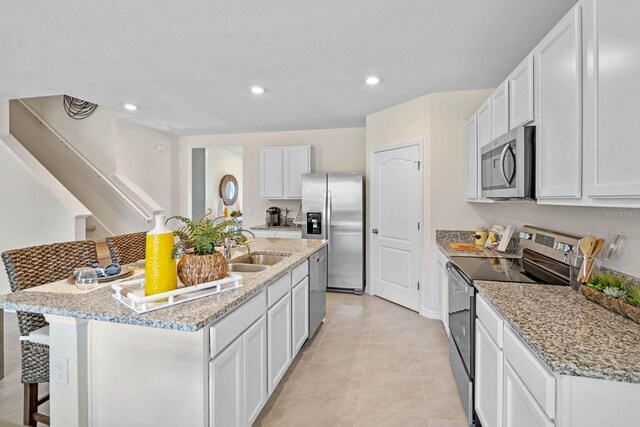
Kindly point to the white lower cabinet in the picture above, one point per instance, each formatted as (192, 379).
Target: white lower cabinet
(226, 373)
(488, 379)
(255, 369)
(443, 297)
(264, 233)
(520, 408)
(278, 234)
(278, 341)
(300, 314)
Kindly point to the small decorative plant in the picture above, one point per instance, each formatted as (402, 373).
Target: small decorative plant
(603, 280)
(633, 295)
(615, 293)
(235, 214)
(201, 262)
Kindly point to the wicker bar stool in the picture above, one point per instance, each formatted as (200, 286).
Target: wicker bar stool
(27, 268)
(127, 248)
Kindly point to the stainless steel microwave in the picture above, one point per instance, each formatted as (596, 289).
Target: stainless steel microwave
(508, 166)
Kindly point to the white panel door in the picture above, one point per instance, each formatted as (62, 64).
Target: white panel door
(297, 161)
(558, 70)
(472, 158)
(521, 94)
(489, 378)
(500, 111)
(278, 341)
(396, 242)
(484, 123)
(520, 408)
(271, 169)
(300, 314)
(226, 374)
(612, 99)
(255, 369)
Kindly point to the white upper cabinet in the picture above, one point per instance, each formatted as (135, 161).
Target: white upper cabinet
(521, 94)
(297, 161)
(281, 170)
(612, 100)
(558, 71)
(271, 168)
(484, 123)
(472, 158)
(500, 111)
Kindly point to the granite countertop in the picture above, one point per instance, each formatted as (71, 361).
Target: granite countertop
(189, 316)
(570, 334)
(292, 227)
(444, 237)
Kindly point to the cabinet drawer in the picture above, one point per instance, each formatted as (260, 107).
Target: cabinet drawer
(491, 320)
(278, 289)
(299, 273)
(538, 380)
(233, 325)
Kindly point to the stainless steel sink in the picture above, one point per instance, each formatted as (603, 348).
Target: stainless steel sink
(246, 268)
(260, 259)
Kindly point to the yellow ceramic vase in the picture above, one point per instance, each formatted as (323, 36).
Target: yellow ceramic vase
(160, 268)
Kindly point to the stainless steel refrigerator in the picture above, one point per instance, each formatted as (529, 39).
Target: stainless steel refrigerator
(333, 209)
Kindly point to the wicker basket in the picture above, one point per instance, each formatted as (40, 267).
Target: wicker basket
(196, 269)
(617, 305)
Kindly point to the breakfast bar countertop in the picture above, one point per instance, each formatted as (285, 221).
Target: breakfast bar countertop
(568, 333)
(189, 316)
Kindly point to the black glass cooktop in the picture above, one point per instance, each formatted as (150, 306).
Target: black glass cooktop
(493, 269)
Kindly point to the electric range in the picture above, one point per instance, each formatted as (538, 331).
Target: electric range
(545, 259)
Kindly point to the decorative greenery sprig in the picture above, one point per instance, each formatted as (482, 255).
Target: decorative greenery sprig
(633, 295)
(203, 236)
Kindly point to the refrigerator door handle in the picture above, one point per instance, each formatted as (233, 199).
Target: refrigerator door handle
(328, 224)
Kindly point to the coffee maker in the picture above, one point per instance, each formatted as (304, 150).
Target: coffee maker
(272, 217)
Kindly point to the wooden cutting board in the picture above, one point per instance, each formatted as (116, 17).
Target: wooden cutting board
(465, 247)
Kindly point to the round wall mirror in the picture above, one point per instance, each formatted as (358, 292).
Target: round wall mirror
(229, 189)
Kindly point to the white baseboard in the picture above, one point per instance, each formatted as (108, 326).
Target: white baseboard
(430, 314)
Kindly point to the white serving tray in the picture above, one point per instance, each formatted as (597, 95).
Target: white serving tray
(134, 297)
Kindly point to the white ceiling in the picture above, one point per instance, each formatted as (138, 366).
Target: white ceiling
(189, 64)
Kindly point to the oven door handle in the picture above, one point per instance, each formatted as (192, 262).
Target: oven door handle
(503, 157)
(454, 272)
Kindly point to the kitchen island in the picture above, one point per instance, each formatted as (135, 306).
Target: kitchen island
(209, 362)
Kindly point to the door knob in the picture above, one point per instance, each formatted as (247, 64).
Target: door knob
(375, 231)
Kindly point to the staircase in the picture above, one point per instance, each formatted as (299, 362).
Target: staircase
(117, 205)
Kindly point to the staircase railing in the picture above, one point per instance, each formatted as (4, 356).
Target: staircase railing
(147, 216)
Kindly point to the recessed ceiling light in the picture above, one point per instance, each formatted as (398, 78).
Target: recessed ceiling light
(372, 80)
(257, 90)
(130, 107)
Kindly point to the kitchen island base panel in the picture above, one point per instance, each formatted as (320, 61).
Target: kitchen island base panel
(68, 371)
(147, 376)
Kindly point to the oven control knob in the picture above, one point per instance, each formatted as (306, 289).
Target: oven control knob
(562, 247)
(525, 236)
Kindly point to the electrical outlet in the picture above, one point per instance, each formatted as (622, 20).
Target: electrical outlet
(59, 370)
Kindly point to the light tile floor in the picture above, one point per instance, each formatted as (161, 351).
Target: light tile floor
(372, 363)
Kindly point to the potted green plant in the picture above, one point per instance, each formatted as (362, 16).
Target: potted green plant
(199, 242)
(235, 214)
